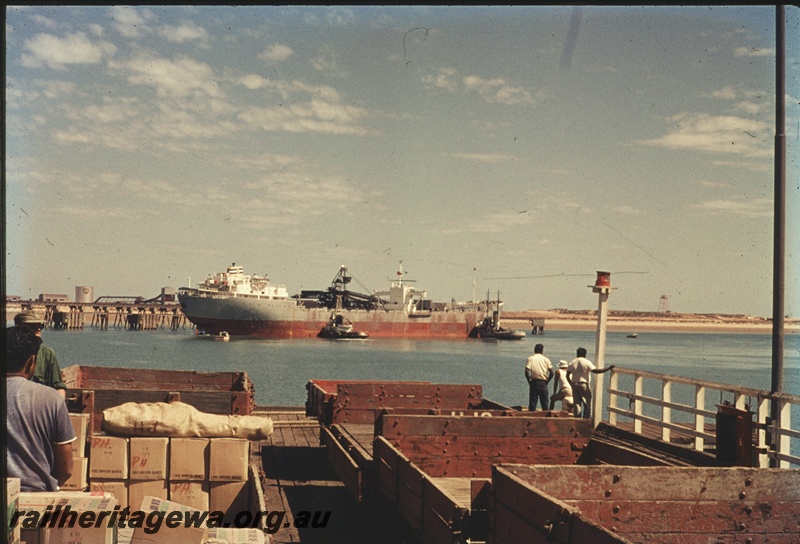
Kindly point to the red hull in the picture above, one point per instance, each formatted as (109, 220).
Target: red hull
(419, 328)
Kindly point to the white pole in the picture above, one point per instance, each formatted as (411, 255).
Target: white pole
(603, 288)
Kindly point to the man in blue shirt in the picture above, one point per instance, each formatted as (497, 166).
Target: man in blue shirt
(39, 433)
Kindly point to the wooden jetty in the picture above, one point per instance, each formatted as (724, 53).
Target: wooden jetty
(125, 313)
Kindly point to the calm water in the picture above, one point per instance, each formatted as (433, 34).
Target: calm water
(280, 369)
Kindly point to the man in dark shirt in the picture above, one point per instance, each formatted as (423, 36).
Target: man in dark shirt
(47, 371)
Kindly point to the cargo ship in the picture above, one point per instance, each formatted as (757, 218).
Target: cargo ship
(251, 305)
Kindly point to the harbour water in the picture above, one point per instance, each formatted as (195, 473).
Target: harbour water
(280, 369)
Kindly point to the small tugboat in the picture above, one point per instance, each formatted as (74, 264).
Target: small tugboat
(223, 336)
(490, 327)
(337, 329)
(633, 335)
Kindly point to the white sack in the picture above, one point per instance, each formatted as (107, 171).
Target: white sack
(182, 420)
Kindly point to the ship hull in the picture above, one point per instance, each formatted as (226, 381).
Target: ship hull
(285, 319)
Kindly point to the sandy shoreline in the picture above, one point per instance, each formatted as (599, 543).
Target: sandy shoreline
(575, 322)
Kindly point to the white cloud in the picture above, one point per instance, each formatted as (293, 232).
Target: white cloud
(276, 53)
(715, 134)
(128, 21)
(759, 207)
(753, 52)
(49, 50)
(484, 157)
(494, 91)
(186, 32)
(176, 78)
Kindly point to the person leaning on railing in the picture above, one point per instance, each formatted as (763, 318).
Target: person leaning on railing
(579, 373)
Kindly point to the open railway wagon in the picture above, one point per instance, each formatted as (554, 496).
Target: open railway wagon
(654, 505)
(349, 410)
(220, 469)
(429, 455)
(92, 389)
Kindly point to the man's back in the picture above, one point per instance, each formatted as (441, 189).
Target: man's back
(36, 418)
(581, 369)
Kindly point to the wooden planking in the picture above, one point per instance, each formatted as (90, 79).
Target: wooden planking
(298, 477)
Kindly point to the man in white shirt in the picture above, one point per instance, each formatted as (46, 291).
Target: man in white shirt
(538, 372)
(579, 372)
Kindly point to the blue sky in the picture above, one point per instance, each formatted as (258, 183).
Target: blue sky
(512, 149)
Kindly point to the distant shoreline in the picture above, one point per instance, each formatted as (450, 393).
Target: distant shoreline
(677, 323)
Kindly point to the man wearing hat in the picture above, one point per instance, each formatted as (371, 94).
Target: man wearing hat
(562, 390)
(47, 371)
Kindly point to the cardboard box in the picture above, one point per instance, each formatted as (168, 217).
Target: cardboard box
(67, 506)
(178, 535)
(78, 500)
(12, 502)
(220, 535)
(80, 535)
(230, 498)
(139, 489)
(80, 423)
(108, 457)
(78, 481)
(118, 488)
(228, 459)
(148, 458)
(192, 494)
(188, 459)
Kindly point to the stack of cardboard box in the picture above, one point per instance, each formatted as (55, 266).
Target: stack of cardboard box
(149, 461)
(80, 463)
(188, 472)
(229, 459)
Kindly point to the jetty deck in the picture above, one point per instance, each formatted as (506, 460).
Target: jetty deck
(298, 478)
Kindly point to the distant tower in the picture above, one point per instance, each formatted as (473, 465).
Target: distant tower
(663, 305)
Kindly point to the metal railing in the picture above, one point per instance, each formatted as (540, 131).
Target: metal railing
(685, 406)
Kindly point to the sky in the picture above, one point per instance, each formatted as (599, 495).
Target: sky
(509, 150)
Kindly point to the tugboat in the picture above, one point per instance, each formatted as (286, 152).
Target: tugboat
(490, 327)
(337, 329)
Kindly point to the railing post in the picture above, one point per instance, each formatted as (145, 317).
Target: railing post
(763, 409)
(783, 440)
(637, 404)
(699, 419)
(666, 397)
(613, 383)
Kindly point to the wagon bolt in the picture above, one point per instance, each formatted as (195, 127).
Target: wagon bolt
(748, 481)
(614, 529)
(742, 495)
(748, 510)
(615, 509)
(742, 526)
(608, 492)
(617, 478)
(748, 541)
